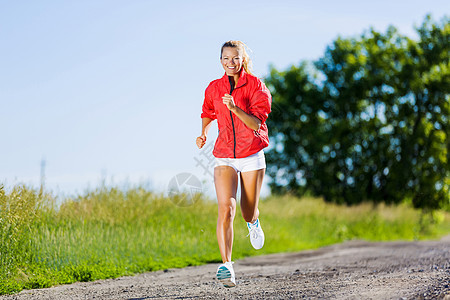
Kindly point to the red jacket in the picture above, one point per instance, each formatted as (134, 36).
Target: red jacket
(235, 139)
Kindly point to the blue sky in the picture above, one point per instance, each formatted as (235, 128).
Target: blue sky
(113, 89)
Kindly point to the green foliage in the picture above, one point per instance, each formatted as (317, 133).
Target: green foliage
(18, 211)
(110, 232)
(367, 121)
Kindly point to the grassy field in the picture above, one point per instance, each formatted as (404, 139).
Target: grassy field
(109, 232)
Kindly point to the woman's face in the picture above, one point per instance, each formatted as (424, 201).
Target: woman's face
(231, 60)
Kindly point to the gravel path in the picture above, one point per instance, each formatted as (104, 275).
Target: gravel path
(352, 270)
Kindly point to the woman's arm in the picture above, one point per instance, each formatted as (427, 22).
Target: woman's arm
(252, 122)
(201, 140)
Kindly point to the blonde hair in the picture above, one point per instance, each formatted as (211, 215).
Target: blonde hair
(247, 63)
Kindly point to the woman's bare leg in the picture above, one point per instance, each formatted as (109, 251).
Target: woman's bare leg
(251, 183)
(226, 182)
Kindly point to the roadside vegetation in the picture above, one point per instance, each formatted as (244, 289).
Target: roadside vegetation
(111, 232)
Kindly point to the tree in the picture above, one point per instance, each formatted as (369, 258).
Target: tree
(367, 121)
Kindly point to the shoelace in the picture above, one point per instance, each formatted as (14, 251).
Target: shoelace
(253, 231)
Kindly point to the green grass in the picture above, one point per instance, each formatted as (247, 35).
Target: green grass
(110, 232)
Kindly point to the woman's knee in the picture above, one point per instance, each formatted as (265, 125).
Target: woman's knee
(227, 212)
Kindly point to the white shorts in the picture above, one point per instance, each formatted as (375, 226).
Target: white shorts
(253, 162)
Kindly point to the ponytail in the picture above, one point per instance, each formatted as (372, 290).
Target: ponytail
(247, 63)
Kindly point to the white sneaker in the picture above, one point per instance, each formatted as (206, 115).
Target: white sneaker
(225, 274)
(256, 235)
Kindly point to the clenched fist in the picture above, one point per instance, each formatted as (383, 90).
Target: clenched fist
(201, 140)
(229, 102)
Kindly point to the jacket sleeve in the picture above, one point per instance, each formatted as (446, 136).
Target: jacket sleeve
(261, 102)
(208, 110)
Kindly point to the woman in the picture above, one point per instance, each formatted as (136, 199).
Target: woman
(241, 104)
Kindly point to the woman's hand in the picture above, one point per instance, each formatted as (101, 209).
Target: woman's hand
(229, 102)
(201, 140)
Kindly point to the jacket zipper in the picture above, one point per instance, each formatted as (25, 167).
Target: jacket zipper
(232, 122)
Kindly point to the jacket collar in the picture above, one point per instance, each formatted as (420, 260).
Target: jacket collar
(241, 82)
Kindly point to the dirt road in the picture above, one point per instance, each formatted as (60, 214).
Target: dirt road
(352, 270)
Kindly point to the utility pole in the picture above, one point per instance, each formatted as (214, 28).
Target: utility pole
(42, 175)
